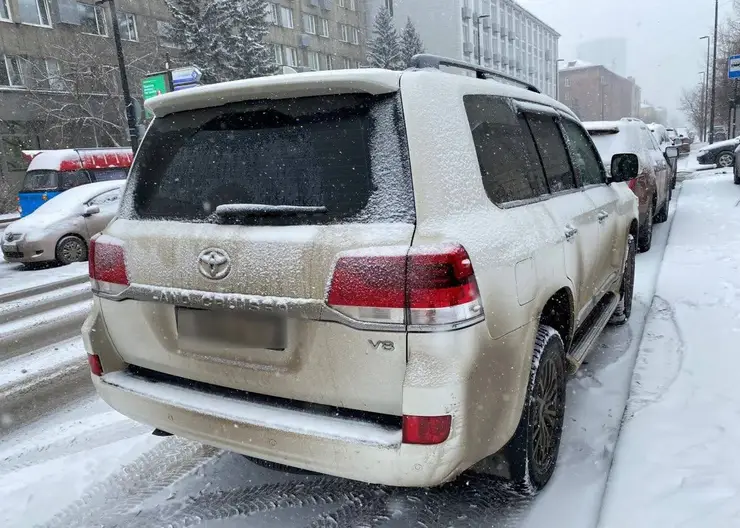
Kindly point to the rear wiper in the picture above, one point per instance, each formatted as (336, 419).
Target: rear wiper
(237, 209)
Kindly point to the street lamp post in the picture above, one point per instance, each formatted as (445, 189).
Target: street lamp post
(703, 104)
(130, 114)
(705, 94)
(477, 44)
(557, 79)
(714, 73)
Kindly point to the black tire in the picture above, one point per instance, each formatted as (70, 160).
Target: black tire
(71, 249)
(725, 159)
(282, 468)
(736, 177)
(645, 237)
(627, 289)
(662, 215)
(532, 452)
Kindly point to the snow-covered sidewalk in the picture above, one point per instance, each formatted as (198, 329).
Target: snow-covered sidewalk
(676, 462)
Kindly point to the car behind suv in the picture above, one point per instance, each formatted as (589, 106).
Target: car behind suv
(655, 176)
(372, 274)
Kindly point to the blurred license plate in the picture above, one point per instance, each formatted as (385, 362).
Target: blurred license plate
(221, 328)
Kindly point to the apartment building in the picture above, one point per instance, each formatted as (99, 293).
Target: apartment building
(596, 93)
(317, 34)
(498, 34)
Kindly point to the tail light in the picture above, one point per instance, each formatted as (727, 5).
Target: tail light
(95, 367)
(426, 430)
(107, 265)
(423, 286)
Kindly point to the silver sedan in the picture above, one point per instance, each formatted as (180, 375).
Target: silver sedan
(60, 230)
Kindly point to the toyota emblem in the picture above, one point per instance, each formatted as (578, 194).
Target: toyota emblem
(214, 263)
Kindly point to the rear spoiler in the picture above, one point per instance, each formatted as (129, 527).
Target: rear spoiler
(28, 155)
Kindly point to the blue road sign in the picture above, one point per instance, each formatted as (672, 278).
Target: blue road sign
(188, 77)
(733, 67)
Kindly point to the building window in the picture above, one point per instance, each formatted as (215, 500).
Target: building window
(324, 27)
(273, 14)
(164, 30)
(291, 56)
(127, 27)
(352, 5)
(347, 63)
(11, 73)
(389, 6)
(34, 12)
(92, 19)
(329, 62)
(355, 35)
(313, 60)
(340, 3)
(286, 17)
(54, 75)
(4, 10)
(277, 51)
(309, 24)
(344, 32)
(567, 82)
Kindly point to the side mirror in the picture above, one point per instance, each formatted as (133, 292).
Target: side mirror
(671, 152)
(91, 210)
(625, 167)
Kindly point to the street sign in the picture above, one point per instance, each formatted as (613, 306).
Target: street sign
(154, 85)
(188, 77)
(733, 67)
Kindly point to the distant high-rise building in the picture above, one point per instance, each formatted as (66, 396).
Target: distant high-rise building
(497, 34)
(608, 52)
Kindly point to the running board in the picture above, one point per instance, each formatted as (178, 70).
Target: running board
(593, 326)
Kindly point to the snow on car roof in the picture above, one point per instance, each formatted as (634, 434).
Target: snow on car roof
(79, 195)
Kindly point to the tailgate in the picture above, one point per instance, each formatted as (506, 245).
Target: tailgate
(231, 226)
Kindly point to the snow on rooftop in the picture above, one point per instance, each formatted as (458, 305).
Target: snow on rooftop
(575, 64)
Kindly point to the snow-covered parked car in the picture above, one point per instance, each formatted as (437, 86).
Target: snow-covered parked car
(388, 285)
(721, 153)
(60, 230)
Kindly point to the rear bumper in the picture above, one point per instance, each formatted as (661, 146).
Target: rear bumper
(335, 446)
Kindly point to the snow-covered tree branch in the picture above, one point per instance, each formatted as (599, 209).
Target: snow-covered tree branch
(384, 50)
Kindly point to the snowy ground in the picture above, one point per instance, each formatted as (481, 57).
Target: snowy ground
(676, 462)
(15, 277)
(85, 465)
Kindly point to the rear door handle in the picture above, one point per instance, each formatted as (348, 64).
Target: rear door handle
(603, 215)
(570, 232)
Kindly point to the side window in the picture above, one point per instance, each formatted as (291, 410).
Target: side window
(647, 140)
(74, 179)
(107, 198)
(109, 174)
(552, 152)
(509, 164)
(585, 159)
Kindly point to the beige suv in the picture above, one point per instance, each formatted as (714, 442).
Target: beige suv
(378, 275)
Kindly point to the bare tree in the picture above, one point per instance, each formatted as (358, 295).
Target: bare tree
(692, 106)
(77, 93)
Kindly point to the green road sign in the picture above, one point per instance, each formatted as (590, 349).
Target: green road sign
(154, 85)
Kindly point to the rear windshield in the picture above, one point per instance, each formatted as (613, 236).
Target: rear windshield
(344, 153)
(40, 180)
(610, 142)
(100, 175)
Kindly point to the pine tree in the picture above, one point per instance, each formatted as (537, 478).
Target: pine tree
(411, 43)
(384, 51)
(224, 38)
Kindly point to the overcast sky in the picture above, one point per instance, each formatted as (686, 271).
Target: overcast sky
(664, 52)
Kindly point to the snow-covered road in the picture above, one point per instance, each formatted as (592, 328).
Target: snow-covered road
(87, 466)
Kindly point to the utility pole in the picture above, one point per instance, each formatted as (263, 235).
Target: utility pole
(477, 44)
(705, 94)
(130, 114)
(714, 73)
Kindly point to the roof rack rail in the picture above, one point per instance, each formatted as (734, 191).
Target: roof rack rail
(426, 60)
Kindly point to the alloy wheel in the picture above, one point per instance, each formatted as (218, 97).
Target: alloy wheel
(547, 402)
